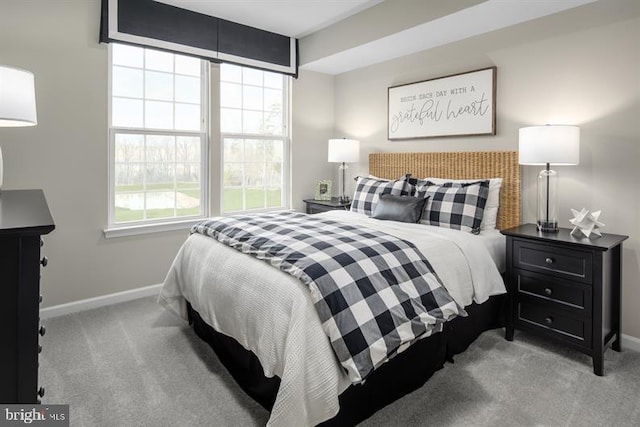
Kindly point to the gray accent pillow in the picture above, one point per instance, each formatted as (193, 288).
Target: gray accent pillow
(399, 208)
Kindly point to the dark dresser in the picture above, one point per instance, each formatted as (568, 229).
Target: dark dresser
(565, 288)
(24, 218)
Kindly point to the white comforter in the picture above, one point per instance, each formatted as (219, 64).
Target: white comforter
(271, 313)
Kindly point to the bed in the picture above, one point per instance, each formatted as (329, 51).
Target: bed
(288, 366)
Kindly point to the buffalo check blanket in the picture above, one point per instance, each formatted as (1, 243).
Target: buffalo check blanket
(375, 294)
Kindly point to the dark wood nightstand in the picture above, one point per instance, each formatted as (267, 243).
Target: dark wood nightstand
(317, 206)
(565, 288)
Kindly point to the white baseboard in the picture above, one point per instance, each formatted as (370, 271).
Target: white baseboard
(101, 301)
(630, 343)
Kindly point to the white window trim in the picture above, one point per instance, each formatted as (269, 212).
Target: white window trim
(286, 156)
(164, 224)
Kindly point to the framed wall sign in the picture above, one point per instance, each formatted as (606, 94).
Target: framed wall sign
(455, 105)
(323, 190)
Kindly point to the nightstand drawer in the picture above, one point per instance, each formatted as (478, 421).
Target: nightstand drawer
(561, 262)
(572, 294)
(544, 317)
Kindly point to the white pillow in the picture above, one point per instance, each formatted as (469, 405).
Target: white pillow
(490, 216)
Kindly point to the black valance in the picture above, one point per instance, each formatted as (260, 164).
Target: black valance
(158, 25)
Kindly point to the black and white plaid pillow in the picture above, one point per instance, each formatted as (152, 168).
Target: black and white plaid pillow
(454, 205)
(368, 191)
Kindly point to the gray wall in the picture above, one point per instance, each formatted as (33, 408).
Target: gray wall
(580, 67)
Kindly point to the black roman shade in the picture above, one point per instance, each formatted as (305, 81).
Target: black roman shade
(152, 24)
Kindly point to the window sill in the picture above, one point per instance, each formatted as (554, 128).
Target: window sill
(161, 227)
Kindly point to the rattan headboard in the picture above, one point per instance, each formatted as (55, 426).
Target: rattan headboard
(460, 165)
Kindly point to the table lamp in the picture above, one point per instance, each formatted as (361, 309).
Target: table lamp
(547, 145)
(17, 101)
(343, 151)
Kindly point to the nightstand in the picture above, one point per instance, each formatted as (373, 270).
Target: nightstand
(317, 206)
(565, 288)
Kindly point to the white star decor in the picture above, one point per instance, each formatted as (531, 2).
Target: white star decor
(586, 222)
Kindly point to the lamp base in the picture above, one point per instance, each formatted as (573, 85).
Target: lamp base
(548, 226)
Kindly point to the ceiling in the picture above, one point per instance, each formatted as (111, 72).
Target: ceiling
(299, 18)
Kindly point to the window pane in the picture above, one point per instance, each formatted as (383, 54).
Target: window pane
(252, 122)
(188, 89)
(233, 150)
(126, 112)
(274, 174)
(158, 86)
(252, 98)
(129, 177)
(274, 197)
(188, 65)
(230, 95)
(160, 148)
(129, 148)
(127, 55)
(274, 151)
(254, 151)
(230, 120)
(127, 82)
(158, 115)
(231, 73)
(252, 77)
(233, 173)
(159, 61)
(273, 80)
(129, 207)
(188, 149)
(273, 124)
(187, 117)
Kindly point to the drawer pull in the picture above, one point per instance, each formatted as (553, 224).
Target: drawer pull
(40, 299)
(41, 392)
(42, 331)
(549, 260)
(39, 349)
(548, 291)
(41, 242)
(44, 261)
(548, 320)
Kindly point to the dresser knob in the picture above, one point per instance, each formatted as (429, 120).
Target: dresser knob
(44, 261)
(41, 392)
(42, 331)
(548, 320)
(549, 260)
(39, 349)
(40, 299)
(41, 242)
(548, 291)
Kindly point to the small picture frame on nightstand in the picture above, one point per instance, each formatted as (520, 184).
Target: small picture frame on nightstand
(323, 190)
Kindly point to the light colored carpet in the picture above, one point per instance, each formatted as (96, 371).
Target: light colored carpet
(136, 364)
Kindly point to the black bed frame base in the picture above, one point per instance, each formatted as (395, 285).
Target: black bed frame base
(405, 373)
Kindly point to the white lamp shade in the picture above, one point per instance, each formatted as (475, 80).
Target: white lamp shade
(553, 144)
(344, 150)
(17, 97)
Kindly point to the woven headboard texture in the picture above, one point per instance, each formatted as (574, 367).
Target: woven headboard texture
(459, 165)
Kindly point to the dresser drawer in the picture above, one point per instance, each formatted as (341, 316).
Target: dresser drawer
(545, 288)
(545, 318)
(561, 262)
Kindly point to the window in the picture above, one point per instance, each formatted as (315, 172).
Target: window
(254, 127)
(157, 137)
